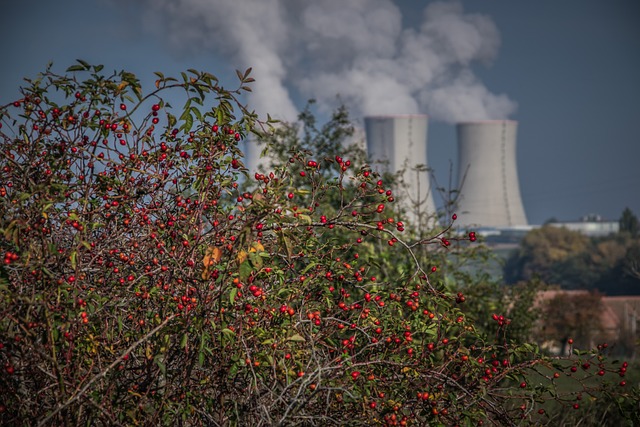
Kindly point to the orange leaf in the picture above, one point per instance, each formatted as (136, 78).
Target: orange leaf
(211, 256)
(256, 247)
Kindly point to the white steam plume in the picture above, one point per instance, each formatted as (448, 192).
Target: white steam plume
(355, 49)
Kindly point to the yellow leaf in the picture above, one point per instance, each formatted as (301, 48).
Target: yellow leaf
(211, 256)
(256, 247)
(242, 256)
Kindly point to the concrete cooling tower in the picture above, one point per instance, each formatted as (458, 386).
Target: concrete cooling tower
(399, 143)
(488, 175)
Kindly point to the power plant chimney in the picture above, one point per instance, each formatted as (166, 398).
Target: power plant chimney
(399, 143)
(488, 175)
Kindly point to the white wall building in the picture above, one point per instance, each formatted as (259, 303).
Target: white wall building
(488, 175)
(399, 143)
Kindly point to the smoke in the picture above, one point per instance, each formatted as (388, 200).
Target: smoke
(357, 50)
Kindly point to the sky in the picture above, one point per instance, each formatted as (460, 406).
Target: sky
(568, 72)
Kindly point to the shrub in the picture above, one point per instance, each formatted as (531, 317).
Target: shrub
(146, 282)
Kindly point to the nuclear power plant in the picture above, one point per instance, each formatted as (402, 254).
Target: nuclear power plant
(487, 171)
(489, 189)
(488, 175)
(398, 144)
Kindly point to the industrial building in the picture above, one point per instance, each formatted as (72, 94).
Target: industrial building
(398, 145)
(488, 175)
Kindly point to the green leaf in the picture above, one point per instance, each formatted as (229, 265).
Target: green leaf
(296, 338)
(305, 218)
(183, 343)
(245, 270)
(228, 333)
(308, 267)
(188, 123)
(232, 295)
(171, 120)
(196, 112)
(256, 260)
(160, 364)
(75, 68)
(85, 64)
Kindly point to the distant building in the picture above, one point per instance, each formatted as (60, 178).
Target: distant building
(591, 225)
(488, 175)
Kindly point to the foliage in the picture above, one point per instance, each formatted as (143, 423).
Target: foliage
(143, 285)
(541, 250)
(629, 223)
(572, 316)
(571, 260)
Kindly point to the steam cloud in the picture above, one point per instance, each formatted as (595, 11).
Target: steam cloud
(356, 49)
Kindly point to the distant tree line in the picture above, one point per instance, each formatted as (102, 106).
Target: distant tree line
(571, 260)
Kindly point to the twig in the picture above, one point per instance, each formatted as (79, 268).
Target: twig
(104, 372)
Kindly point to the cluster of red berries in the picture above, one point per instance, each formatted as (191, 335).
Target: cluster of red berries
(622, 372)
(10, 257)
(287, 310)
(500, 319)
(344, 164)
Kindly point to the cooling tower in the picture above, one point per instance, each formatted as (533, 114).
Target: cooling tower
(399, 143)
(488, 175)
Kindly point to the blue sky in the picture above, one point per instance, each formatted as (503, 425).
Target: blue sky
(568, 71)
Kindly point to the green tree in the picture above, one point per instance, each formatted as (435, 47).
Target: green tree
(572, 319)
(629, 223)
(549, 252)
(142, 284)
